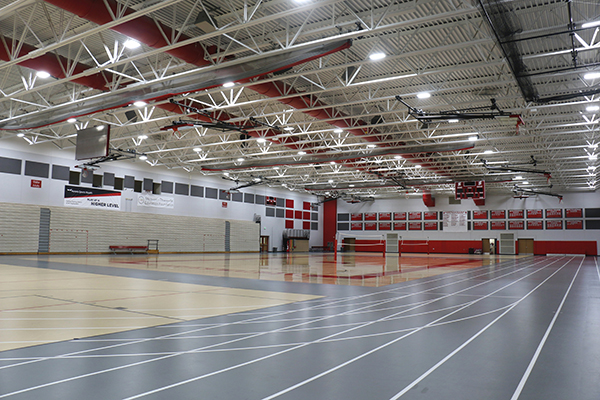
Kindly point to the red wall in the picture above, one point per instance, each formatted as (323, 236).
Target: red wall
(540, 247)
(329, 222)
(564, 247)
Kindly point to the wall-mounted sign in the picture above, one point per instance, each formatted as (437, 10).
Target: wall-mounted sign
(356, 226)
(431, 226)
(414, 215)
(498, 214)
(556, 224)
(480, 225)
(370, 226)
(480, 214)
(92, 198)
(156, 201)
(356, 217)
(36, 183)
(415, 226)
(515, 214)
(498, 225)
(385, 226)
(429, 215)
(535, 224)
(574, 224)
(371, 216)
(399, 216)
(224, 204)
(554, 213)
(385, 216)
(399, 226)
(516, 225)
(535, 214)
(454, 221)
(574, 212)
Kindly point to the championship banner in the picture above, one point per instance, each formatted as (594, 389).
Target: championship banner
(151, 200)
(455, 221)
(92, 198)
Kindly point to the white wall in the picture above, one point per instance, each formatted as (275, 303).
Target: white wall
(16, 189)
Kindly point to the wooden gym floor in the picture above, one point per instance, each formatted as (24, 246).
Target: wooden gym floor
(299, 326)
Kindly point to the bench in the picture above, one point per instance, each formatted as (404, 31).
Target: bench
(128, 249)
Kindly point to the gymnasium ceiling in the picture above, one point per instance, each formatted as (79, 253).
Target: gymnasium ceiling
(333, 125)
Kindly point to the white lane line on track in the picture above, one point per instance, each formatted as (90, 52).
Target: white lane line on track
(329, 337)
(475, 336)
(302, 309)
(527, 373)
(333, 369)
(217, 344)
(249, 337)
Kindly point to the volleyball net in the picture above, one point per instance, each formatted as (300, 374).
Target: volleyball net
(351, 242)
(414, 246)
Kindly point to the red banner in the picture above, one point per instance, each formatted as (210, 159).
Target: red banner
(399, 226)
(430, 215)
(554, 224)
(554, 213)
(356, 226)
(431, 226)
(535, 214)
(356, 217)
(385, 216)
(370, 226)
(415, 226)
(498, 225)
(535, 224)
(516, 225)
(498, 214)
(515, 213)
(371, 216)
(481, 225)
(575, 224)
(574, 212)
(414, 215)
(399, 216)
(385, 226)
(480, 214)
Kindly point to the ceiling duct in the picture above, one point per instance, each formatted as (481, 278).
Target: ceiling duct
(505, 26)
(204, 22)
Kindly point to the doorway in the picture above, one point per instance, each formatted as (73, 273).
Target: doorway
(525, 246)
(488, 246)
(264, 244)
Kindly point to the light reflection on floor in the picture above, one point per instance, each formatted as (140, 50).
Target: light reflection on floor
(353, 269)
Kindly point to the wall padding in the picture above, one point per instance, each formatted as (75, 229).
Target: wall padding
(244, 236)
(19, 228)
(85, 230)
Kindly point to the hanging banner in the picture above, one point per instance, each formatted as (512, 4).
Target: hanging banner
(152, 200)
(455, 221)
(92, 198)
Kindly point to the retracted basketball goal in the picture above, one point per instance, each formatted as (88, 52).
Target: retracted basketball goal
(351, 242)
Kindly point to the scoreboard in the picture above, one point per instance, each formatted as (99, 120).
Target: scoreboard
(469, 190)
